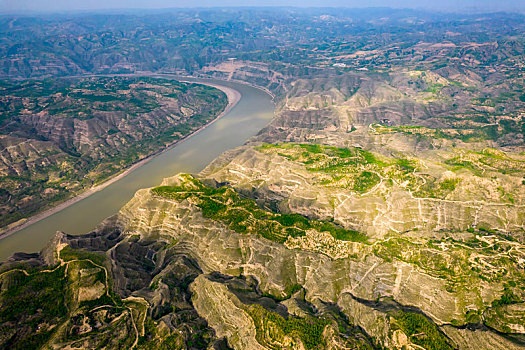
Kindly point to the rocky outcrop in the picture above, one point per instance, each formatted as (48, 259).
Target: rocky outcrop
(278, 268)
(382, 207)
(220, 308)
(392, 206)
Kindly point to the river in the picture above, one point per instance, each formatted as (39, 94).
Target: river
(254, 110)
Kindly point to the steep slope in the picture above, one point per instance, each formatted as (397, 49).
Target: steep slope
(383, 207)
(59, 137)
(371, 237)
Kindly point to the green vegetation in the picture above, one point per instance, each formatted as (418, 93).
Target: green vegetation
(395, 64)
(308, 330)
(420, 330)
(489, 159)
(353, 168)
(121, 131)
(434, 88)
(40, 301)
(323, 158)
(508, 297)
(365, 181)
(449, 184)
(68, 254)
(465, 127)
(486, 257)
(473, 317)
(244, 216)
(29, 301)
(156, 337)
(406, 165)
(39, 304)
(79, 98)
(360, 170)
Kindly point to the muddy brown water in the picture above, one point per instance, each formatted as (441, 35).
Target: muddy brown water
(254, 110)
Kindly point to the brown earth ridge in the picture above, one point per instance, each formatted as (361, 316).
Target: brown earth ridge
(383, 207)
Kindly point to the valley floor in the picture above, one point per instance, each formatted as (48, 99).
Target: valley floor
(233, 98)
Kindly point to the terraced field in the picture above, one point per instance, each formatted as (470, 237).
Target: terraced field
(382, 208)
(242, 214)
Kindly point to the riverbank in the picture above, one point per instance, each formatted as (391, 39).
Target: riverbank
(237, 81)
(233, 96)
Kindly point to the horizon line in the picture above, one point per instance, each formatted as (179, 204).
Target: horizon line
(469, 10)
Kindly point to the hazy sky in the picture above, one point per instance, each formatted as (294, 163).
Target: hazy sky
(69, 5)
